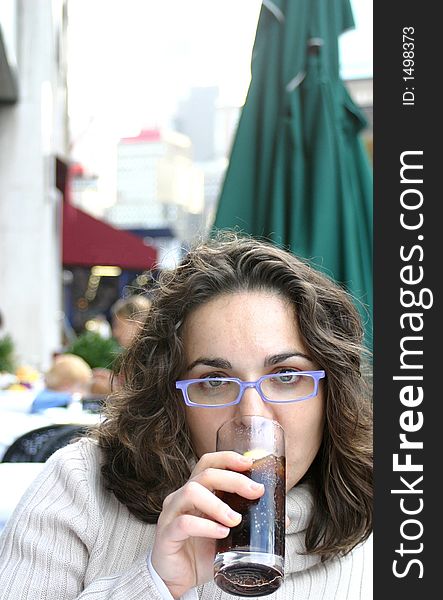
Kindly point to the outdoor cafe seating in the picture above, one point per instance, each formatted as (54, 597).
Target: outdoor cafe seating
(32, 427)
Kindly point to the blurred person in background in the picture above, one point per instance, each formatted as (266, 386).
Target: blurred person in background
(130, 512)
(128, 316)
(69, 373)
(67, 380)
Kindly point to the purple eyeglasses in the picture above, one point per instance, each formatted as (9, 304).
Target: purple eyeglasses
(278, 388)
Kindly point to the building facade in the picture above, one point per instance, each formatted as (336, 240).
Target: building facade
(33, 131)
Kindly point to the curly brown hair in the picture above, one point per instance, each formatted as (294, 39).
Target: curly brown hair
(146, 443)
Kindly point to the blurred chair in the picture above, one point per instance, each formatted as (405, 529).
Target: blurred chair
(37, 445)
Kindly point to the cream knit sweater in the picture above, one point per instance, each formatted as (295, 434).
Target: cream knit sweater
(71, 539)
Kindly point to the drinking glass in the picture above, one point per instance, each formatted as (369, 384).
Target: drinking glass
(250, 560)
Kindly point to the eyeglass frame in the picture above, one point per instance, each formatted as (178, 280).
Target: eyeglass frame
(183, 385)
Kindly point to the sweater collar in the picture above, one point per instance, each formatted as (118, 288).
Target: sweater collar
(299, 507)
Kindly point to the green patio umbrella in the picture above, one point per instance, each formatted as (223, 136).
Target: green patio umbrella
(298, 172)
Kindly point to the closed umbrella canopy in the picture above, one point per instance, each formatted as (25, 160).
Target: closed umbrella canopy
(298, 171)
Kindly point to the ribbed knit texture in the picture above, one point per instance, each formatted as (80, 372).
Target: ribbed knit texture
(71, 539)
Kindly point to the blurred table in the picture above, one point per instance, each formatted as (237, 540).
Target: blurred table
(17, 401)
(15, 478)
(22, 411)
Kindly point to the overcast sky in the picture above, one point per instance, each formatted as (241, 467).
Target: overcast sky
(131, 61)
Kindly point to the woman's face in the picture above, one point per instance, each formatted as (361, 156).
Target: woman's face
(124, 330)
(247, 335)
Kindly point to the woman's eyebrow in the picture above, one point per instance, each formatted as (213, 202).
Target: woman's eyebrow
(222, 363)
(219, 363)
(277, 358)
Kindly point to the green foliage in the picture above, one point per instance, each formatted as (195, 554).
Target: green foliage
(7, 359)
(96, 350)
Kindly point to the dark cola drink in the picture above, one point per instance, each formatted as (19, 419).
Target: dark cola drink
(250, 560)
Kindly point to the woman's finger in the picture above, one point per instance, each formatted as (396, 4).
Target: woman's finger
(187, 526)
(194, 498)
(222, 460)
(229, 481)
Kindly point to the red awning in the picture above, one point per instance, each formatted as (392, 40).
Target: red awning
(88, 242)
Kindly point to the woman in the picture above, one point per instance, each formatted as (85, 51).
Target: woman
(128, 316)
(131, 513)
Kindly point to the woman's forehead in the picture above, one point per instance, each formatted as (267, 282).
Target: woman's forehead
(260, 322)
(242, 306)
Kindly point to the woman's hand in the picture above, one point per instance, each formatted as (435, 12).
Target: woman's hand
(193, 517)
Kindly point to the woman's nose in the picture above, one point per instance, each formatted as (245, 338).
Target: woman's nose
(252, 403)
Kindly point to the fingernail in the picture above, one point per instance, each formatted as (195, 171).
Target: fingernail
(222, 530)
(255, 486)
(233, 516)
(247, 460)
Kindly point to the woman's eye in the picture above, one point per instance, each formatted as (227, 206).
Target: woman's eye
(212, 376)
(212, 383)
(287, 377)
